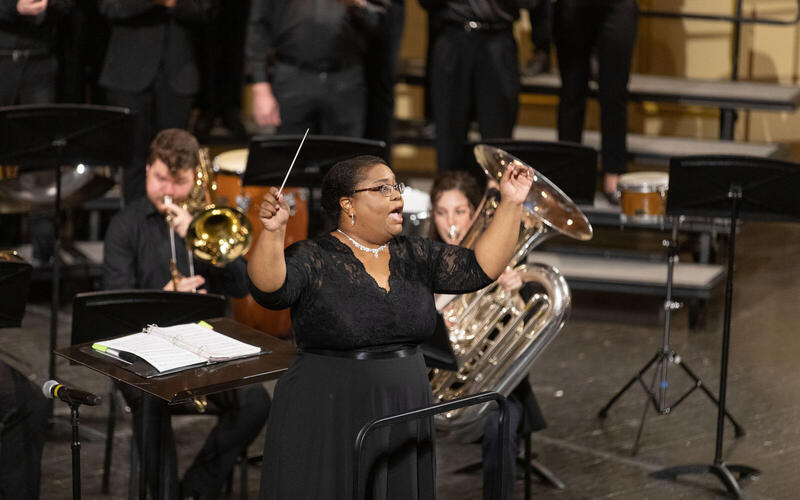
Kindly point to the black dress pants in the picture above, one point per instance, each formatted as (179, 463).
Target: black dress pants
(542, 24)
(609, 26)
(473, 74)
(380, 65)
(329, 103)
(23, 414)
(155, 108)
(241, 416)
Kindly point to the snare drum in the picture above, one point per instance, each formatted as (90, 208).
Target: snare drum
(643, 196)
(229, 168)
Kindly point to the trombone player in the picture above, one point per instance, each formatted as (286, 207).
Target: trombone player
(137, 255)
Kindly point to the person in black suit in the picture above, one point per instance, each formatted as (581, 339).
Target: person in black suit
(609, 28)
(474, 72)
(151, 68)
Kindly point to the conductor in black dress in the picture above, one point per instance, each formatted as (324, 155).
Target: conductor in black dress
(361, 299)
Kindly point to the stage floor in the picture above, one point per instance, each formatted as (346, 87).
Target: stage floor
(607, 340)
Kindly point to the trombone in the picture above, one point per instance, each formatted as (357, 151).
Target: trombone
(217, 234)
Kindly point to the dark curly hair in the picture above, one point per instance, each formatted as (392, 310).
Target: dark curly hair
(342, 179)
(177, 148)
(458, 180)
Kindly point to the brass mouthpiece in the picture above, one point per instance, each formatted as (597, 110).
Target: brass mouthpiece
(453, 233)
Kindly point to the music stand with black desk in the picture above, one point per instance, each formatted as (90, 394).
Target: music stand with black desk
(570, 166)
(734, 187)
(195, 382)
(36, 137)
(269, 159)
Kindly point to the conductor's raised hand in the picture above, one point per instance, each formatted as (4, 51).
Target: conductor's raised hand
(515, 183)
(274, 211)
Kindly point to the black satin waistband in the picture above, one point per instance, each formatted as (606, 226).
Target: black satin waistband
(397, 353)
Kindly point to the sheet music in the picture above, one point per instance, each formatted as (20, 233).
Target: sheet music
(181, 346)
(157, 351)
(205, 342)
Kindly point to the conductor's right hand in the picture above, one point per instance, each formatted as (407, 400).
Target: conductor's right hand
(273, 212)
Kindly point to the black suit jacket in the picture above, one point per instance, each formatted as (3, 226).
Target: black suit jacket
(145, 35)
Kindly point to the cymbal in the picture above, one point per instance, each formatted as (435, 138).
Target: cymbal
(36, 190)
(545, 200)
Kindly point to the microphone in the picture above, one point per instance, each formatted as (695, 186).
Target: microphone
(55, 390)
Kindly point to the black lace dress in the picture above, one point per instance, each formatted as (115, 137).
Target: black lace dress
(322, 401)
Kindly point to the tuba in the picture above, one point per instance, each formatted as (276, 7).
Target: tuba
(495, 335)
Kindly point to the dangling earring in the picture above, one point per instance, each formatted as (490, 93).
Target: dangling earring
(352, 219)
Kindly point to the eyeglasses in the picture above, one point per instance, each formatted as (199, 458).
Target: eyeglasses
(385, 189)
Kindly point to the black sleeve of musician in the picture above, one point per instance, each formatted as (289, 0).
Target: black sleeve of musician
(229, 280)
(119, 256)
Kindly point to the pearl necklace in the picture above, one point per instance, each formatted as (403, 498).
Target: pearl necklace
(373, 251)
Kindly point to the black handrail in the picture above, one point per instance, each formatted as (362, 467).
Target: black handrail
(483, 397)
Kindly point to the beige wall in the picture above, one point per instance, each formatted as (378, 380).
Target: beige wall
(690, 48)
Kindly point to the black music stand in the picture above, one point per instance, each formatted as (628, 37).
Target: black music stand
(270, 156)
(15, 276)
(734, 187)
(570, 166)
(37, 137)
(657, 390)
(269, 159)
(97, 315)
(437, 349)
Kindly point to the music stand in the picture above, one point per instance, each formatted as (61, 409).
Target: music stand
(270, 156)
(97, 315)
(269, 159)
(437, 350)
(734, 187)
(36, 137)
(15, 276)
(570, 166)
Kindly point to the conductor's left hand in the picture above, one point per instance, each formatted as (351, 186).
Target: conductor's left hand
(515, 183)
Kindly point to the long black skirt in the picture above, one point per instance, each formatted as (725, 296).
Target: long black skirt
(318, 408)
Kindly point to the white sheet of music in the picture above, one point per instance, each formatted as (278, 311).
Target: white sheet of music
(168, 348)
(203, 341)
(159, 352)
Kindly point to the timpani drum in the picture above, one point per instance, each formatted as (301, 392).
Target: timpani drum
(229, 168)
(643, 196)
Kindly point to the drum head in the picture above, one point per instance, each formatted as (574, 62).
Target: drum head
(231, 162)
(643, 182)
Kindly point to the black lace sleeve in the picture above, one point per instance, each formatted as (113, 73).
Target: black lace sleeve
(453, 269)
(299, 269)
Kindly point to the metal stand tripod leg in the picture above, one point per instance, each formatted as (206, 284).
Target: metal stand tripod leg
(724, 472)
(657, 390)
